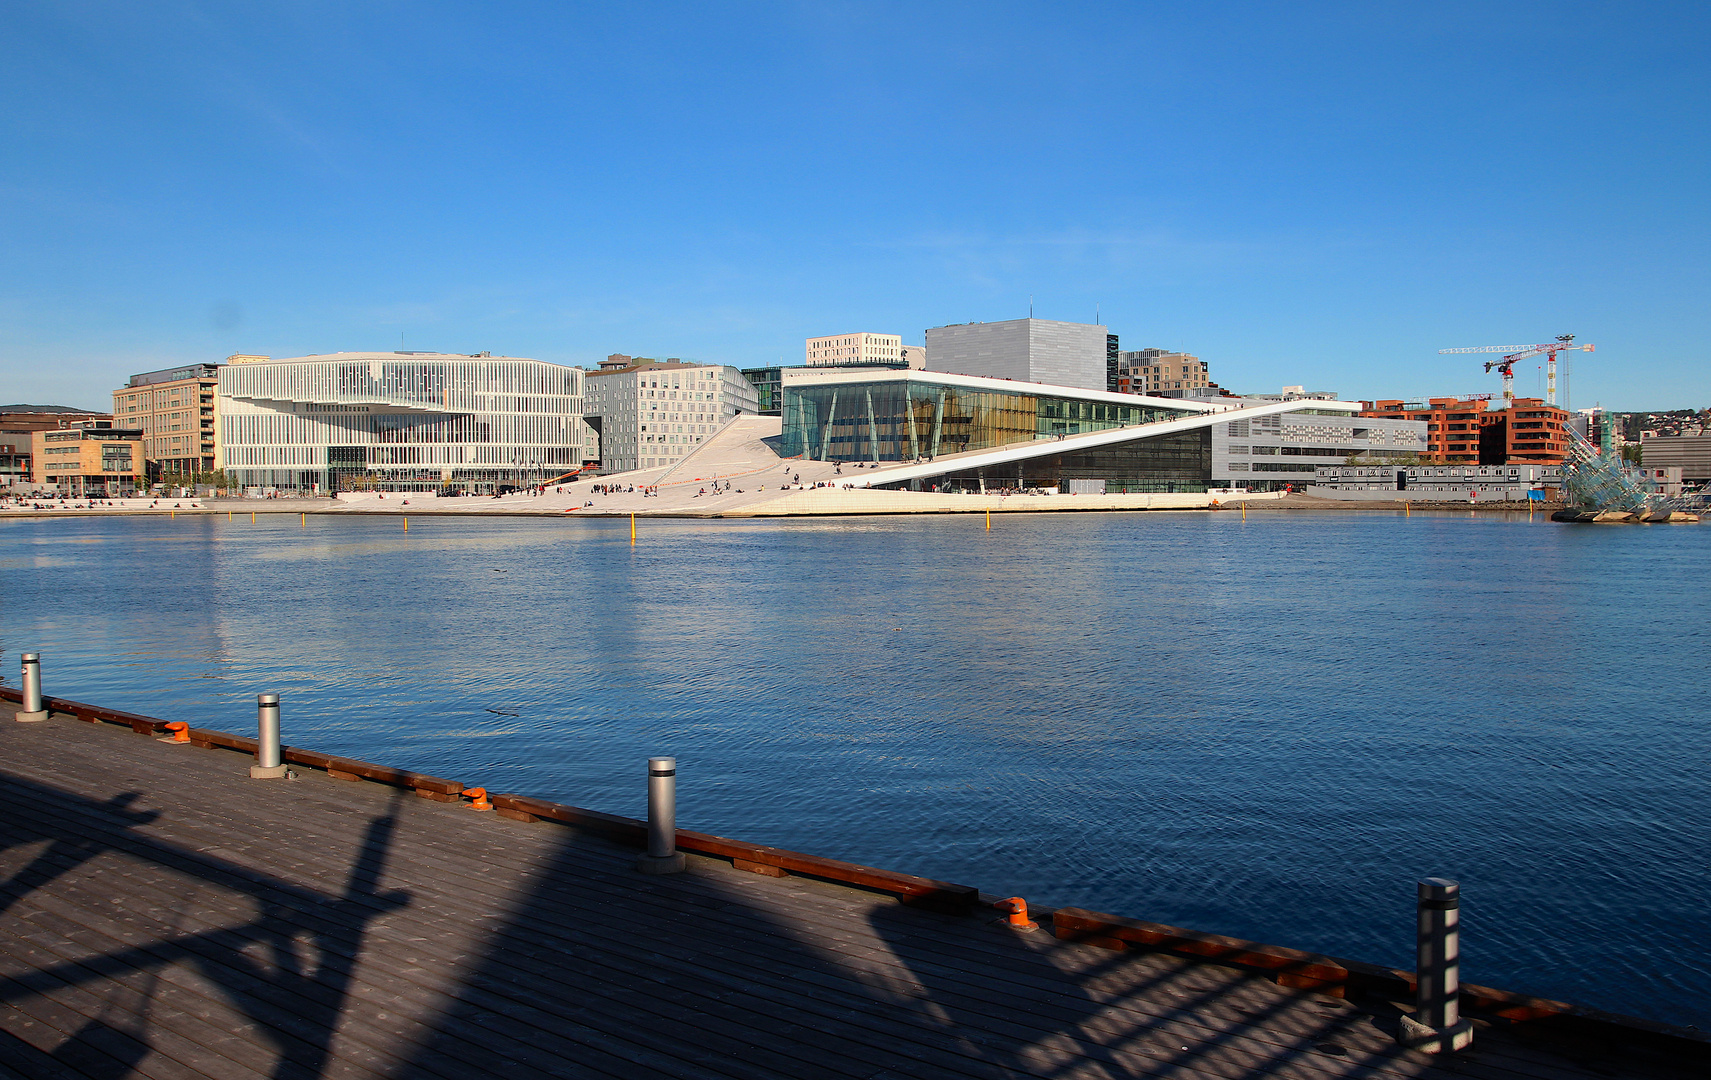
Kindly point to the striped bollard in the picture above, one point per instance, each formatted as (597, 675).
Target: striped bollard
(1437, 1026)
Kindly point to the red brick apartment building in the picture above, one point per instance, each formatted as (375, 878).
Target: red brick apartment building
(1452, 426)
(1528, 431)
(1465, 432)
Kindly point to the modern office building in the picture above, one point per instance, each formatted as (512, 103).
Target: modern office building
(1152, 371)
(768, 382)
(1452, 425)
(90, 458)
(398, 421)
(652, 413)
(1027, 350)
(1528, 431)
(1689, 453)
(174, 408)
(1465, 432)
(961, 432)
(1270, 453)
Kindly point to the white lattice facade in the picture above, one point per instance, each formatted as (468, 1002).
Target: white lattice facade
(652, 415)
(399, 421)
(1268, 452)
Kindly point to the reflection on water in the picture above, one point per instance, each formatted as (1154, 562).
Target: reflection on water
(1266, 728)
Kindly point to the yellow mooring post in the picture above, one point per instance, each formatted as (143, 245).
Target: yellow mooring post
(632, 528)
(406, 524)
(252, 517)
(305, 520)
(1244, 511)
(172, 513)
(989, 520)
(1406, 510)
(228, 515)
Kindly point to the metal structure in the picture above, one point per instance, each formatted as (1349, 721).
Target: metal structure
(663, 856)
(31, 672)
(269, 765)
(1563, 343)
(1599, 481)
(1437, 1026)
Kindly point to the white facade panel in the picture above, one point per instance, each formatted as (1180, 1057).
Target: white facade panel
(399, 421)
(652, 416)
(1027, 350)
(1265, 453)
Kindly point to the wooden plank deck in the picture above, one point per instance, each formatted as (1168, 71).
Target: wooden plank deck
(164, 916)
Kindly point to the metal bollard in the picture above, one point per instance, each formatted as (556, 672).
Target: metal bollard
(1436, 1026)
(32, 710)
(663, 856)
(268, 765)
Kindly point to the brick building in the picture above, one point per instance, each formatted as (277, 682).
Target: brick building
(175, 411)
(89, 458)
(1452, 425)
(1465, 432)
(1528, 432)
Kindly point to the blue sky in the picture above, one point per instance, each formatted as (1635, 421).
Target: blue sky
(1323, 194)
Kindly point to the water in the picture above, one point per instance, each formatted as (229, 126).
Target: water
(1266, 728)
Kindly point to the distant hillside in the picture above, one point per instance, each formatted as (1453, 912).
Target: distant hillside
(48, 408)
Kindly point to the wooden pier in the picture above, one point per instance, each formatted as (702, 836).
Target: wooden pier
(165, 916)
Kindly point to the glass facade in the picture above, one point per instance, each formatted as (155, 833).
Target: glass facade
(399, 422)
(1165, 463)
(768, 384)
(912, 419)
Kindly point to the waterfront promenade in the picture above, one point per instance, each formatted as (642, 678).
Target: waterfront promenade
(166, 916)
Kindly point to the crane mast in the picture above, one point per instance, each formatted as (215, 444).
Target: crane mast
(1506, 366)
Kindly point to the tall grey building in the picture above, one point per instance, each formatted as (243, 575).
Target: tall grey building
(650, 414)
(1028, 350)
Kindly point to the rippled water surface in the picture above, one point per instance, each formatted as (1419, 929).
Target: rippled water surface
(1266, 728)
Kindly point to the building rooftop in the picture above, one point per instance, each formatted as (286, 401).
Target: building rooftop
(176, 374)
(394, 355)
(643, 364)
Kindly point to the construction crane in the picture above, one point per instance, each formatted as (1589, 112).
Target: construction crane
(1563, 343)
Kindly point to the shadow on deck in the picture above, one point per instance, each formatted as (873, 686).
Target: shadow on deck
(392, 937)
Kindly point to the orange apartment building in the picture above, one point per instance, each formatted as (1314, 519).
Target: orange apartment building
(1452, 426)
(1465, 432)
(1529, 431)
(89, 458)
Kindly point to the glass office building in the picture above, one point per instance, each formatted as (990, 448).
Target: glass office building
(920, 416)
(399, 422)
